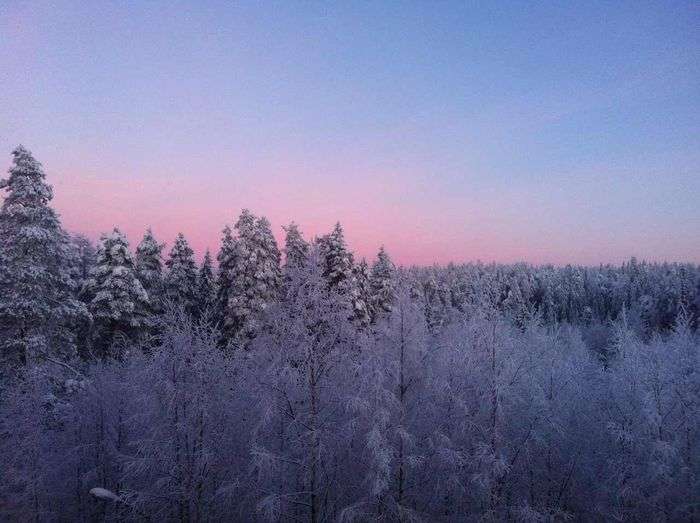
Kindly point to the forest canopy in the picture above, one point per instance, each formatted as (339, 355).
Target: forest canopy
(299, 383)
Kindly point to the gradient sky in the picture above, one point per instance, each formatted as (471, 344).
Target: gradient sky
(549, 132)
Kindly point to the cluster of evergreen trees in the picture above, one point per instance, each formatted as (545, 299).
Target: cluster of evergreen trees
(56, 287)
(319, 388)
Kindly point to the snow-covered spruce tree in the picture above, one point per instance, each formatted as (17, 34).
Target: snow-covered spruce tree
(337, 260)
(181, 278)
(38, 307)
(206, 289)
(296, 249)
(149, 269)
(436, 297)
(84, 258)
(226, 259)
(516, 306)
(120, 306)
(255, 277)
(362, 294)
(339, 271)
(382, 283)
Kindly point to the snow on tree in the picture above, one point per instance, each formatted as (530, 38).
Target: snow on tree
(362, 294)
(149, 269)
(38, 307)
(436, 297)
(181, 278)
(337, 260)
(120, 306)
(85, 256)
(255, 276)
(382, 283)
(296, 249)
(226, 259)
(303, 356)
(206, 287)
(388, 412)
(516, 304)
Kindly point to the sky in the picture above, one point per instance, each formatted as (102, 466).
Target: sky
(553, 132)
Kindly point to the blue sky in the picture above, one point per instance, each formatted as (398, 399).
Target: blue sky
(545, 132)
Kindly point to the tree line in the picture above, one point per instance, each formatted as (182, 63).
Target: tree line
(303, 384)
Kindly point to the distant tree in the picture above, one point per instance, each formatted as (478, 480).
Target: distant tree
(85, 257)
(296, 248)
(337, 260)
(227, 260)
(149, 269)
(362, 303)
(255, 277)
(181, 278)
(38, 305)
(120, 306)
(382, 283)
(206, 288)
(436, 297)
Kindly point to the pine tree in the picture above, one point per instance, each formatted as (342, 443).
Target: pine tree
(255, 276)
(181, 279)
(382, 283)
(337, 260)
(436, 298)
(38, 308)
(120, 306)
(149, 269)
(362, 294)
(206, 288)
(226, 259)
(85, 256)
(296, 248)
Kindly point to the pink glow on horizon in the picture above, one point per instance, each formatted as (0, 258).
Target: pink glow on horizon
(378, 212)
(440, 143)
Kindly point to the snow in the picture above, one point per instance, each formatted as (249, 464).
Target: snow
(104, 494)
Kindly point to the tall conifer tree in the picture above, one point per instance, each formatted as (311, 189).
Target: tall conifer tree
(120, 306)
(382, 283)
(206, 287)
(149, 268)
(181, 279)
(296, 249)
(38, 305)
(255, 276)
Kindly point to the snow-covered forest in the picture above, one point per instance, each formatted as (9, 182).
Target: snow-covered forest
(299, 383)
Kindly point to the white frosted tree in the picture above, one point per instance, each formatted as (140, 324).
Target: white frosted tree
(149, 269)
(305, 356)
(226, 259)
(296, 249)
(206, 288)
(38, 307)
(84, 258)
(337, 260)
(362, 294)
(382, 283)
(255, 276)
(120, 306)
(388, 412)
(181, 278)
